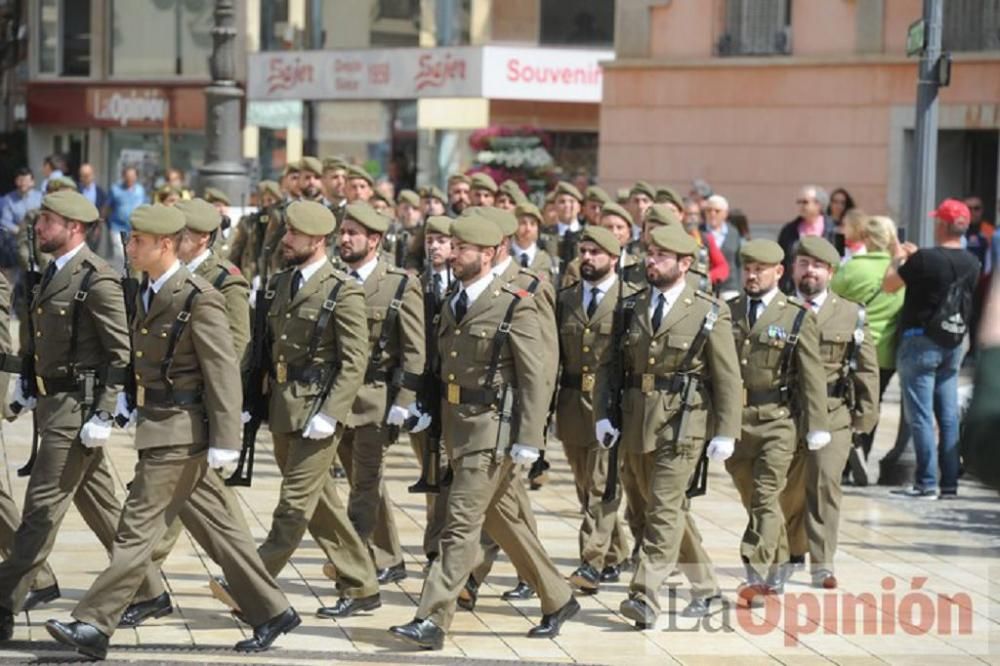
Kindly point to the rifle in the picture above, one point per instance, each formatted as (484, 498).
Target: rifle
(619, 330)
(32, 281)
(130, 290)
(698, 485)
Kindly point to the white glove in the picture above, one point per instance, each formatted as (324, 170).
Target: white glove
(720, 448)
(320, 426)
(95, 432)
(26, 404)
(223, 460)
(397, 415)
(121, 409)
(606, 434)
(423, 420)
(254, 286)
(244, 417)
(523, 455)
(817, 439)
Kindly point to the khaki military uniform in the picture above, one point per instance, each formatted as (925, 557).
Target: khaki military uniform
(811, 498)
(256, 243)
(540, 264)
(309, 497)
(584, 345)
(65, 470)
(631, 267)
(698, 275)
(182, 411)
(481, 495)
(759, 464)
(366, 436)
(561, 249)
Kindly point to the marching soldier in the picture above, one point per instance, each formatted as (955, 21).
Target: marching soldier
(640, 197)
(311, 180)
(584, 314)
(187, 397)
(223, 241)
(483, 190)
(360, 185)
(524, 244)
(630, 264)
(560, 241)
(783, 381)
(335, 186)
(509, 196)
(290, 182)
(256, 247)
(387, 398)
(459, 194)
(594, 200)
(680, 389)
(811, 499)
(433, 201)
(489, 342)
(80, 345)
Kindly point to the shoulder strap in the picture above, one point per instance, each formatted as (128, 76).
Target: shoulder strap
(388, 325)
(78, 300)
(220, 278)
(180, 323)
(499, 339)
(791, 343)
(326, 311)
(851, 362)
(707, 324)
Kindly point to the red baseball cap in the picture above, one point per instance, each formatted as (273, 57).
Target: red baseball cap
(952, 210)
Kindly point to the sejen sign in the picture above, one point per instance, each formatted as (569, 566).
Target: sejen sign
(537, 74)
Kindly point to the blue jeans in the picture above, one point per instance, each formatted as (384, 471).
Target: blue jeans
(928, 375)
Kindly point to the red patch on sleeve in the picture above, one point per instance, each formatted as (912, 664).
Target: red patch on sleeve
(233, 270)
(523, 293)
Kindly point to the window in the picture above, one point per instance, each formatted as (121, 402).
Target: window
(971, 25)
(756, 27)
(64, 37)
(580, 23)
(162, 38)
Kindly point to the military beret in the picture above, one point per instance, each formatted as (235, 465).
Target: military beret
(334, 163)
(550, 198)
(165, 191)
(673, 238)
(662, 214)
(818, 248)
(568, 188)
(311, 164)
(311, 218)
(762, 252)
(382, 196)
(290, 167)
(604, 238)
(595, 193)
(410, 197)
(438, 224)
(199, 215)
(71, 205)
(666, 194)
(433, 192)
(157, 219)
(611, 208)
(457, 178)
(213, 194)
(528, 208)
(354, 171)
(367, 217)
(513, 190)
(621, 195)
(476, 229)
(642, 187)
(504, 220)
(269, 187)
(483, 181)
(60, 183)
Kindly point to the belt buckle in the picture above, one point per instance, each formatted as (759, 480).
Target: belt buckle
(454, 394)
(40, 385)
(140, 395)
(648, 383)
(281, 372)
(587, 381)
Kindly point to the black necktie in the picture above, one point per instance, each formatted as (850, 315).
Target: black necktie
(437, 285)
(296, 280)
(592, 306)
(755, 304)
(150, 294)
(461, 306)
(356, 275)
(47, 276)
(524, 259)
(658, 313)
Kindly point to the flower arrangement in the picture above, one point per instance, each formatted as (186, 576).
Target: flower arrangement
(520, 154)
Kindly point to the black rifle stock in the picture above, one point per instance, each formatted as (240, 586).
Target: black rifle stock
(616, 389)
(130, 292)
(254, 394)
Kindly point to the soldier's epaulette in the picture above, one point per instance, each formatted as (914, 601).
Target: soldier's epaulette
(340, 274)
(518, 292)
(527, 271)
(397, 270)
(793, 300)
(706, 296)
(634, 296)
(200, 283)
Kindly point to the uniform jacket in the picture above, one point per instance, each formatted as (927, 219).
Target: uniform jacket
(545, 297)
(226, 277)
(256, 243)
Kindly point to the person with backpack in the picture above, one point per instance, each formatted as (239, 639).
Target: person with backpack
(934, 321)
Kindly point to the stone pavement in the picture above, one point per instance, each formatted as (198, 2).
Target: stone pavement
(919, 585)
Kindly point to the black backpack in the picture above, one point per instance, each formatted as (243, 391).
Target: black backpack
(950, 322)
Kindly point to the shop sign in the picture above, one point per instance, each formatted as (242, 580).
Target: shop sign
(124, 107)
(543, 74)
(129, 106)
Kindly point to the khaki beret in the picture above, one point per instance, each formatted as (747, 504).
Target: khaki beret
(528, 208)
(673, 238)
(71, 205)
(642, 187)
(476, 229)
(568, 188)
(354, 171)
(595, 193)
(290, 167)
(199, 215)
(213, 194)
(611, 208)
(410, 197)
(269, 187)
(622, 195)
(381, 196)
(818, 248)
(157, 219)
(550, 198)
(311, 218)
(662, 214)
(60, 183)
(665, 194)
(504, 220)
(513, 190)
(330, 163)
(367, 217)
(438, 224)
(762, 252)
(165, 191)
(311, 164)
(483, 181)
(433, 192)
(457, 178)
(604, 239)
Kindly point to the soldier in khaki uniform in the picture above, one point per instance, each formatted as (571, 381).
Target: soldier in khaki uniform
(681, 388)
(360, 185)
(188, 424)
(486, 439)
(524, 245)
(482, 190)
(256, 246)
(584, 319)
(81, 351)
(594, 199)
(335, 186)
(509, 196)
(630, 264)
(783, 380)
(319, 351)
(560, 240)
(225, 234)
(395, 317)
(811, 499)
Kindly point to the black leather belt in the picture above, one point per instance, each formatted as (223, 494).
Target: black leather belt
(146, 397)
(11, 363)
(769, 397)
(53, 385)
(584, 382)
(308, 374)
(648, 383)
(460, 395)
(408, 379)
